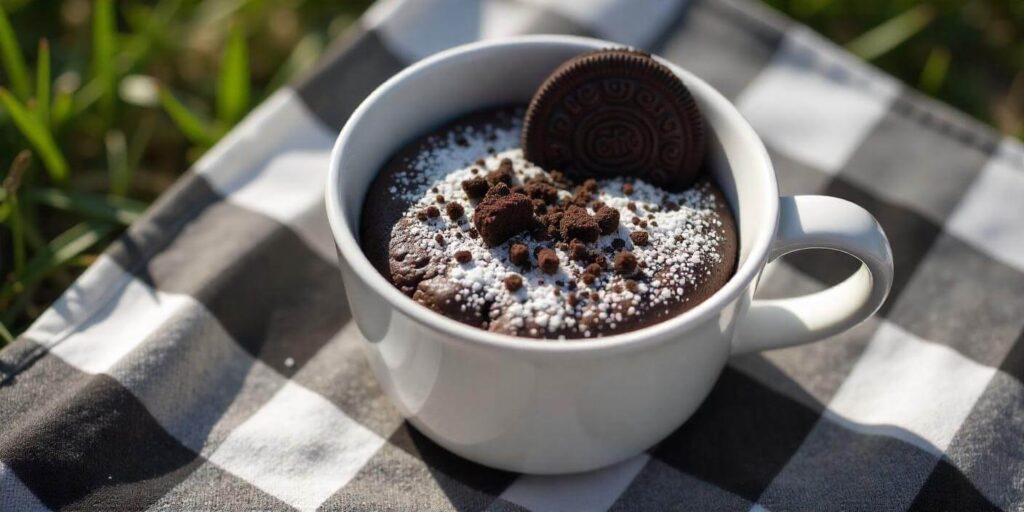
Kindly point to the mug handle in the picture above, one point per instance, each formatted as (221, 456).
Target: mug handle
(820, 222)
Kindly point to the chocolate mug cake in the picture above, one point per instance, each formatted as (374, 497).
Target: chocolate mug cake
(586, 213)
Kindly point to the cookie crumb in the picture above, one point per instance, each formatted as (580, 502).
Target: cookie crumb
(519, 254)
(455, 210)
(513, 282)
(625, 263)
(548, 261)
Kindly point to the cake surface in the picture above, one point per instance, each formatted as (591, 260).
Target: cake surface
(461, 222)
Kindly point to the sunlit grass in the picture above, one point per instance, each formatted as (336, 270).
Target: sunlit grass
(115, 101)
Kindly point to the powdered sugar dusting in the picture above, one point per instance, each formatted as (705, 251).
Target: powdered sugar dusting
(684, 242)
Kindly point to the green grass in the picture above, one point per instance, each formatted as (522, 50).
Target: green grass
(103, 103)
(968, 53)
(106, 102)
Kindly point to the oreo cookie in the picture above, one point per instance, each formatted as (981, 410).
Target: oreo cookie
(616, 112)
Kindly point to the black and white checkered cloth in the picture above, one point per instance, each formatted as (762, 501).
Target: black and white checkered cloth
(209, 360)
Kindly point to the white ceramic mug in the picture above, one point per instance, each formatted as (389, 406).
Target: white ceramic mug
(544, 406)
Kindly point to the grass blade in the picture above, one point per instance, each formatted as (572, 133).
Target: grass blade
(43, 83)
(14, 60)
(63, 102)
(59, 251)
(38, 135)
(117, 162)
(17, 224)
(5, 335)
(104, 50)
(197, 129)
(138, 48)
(933, 75)
(890, 34)
(140, 141)
(233, 82)
(106, 208)
(17, 234)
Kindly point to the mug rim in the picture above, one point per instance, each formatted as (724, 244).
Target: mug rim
(352, 253)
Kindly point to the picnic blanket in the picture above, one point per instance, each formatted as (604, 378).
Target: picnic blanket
(208, 359)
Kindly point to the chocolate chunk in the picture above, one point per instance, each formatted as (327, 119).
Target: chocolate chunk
(513, 282)
(519, 254)
(627, 189)
(578, 250)
(439, 198)
(499, 189)
(625, 263)
(473, 233)
(539, 206)
(547, 260)
(595, 269)
(607, 219)
(554, 218)
(558, 178)
(421, 215)
(616, 113)
(439, 238)
(581, 197)
(503, 174)
(640, 238)
(588, 278)
(544, 191)
(463, 256)
(632, 286)
(498, 218)
(636, 220)
(475, 188)
(433, 212)
(577, 223)
(455, 210)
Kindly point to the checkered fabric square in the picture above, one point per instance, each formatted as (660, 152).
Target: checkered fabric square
(209, 360)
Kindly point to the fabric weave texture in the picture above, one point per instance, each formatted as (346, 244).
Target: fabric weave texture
(208, 360)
